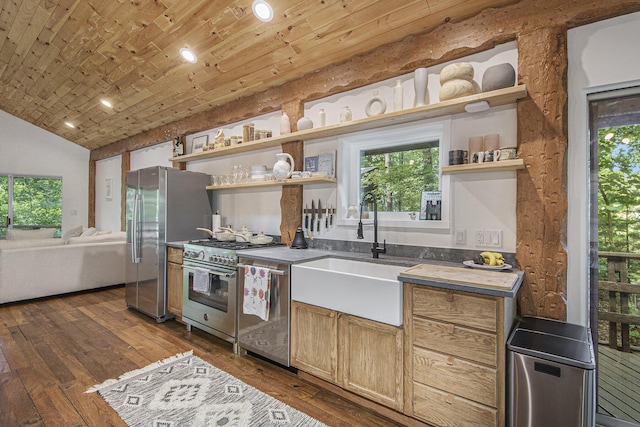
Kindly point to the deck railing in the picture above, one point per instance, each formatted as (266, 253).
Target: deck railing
(619, 290)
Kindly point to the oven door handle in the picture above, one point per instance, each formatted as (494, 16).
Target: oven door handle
(274, 272)
(214, 272)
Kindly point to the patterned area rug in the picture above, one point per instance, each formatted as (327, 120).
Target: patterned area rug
(184, 390)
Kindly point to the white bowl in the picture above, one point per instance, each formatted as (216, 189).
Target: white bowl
(258, 168)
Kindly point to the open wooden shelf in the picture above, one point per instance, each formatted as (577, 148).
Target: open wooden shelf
(289, 181)
(454, 106)
(499, 166)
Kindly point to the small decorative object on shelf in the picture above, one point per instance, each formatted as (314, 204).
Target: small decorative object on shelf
(345, 115)
(178, 146)
(457, 81)
(382, 105)
(285, 124)
(218, 141)
(398, 94)
(431, 205)
(305, 123)
(498, 77)
(420, 79)
(323, 117)
(282, 169)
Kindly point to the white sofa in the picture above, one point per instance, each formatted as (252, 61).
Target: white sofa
(34, 268)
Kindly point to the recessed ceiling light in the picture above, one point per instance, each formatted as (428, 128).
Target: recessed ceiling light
(69, 124)
(262, 10)
(106, 103)
(188, 55)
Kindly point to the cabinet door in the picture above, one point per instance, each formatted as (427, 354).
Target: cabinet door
(174, 289)
(314, 340)
(372, 360)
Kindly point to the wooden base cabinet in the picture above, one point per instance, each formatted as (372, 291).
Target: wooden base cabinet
(314, 340)
(362, 356)
(174, 282)
(455, 356)
(372, 360)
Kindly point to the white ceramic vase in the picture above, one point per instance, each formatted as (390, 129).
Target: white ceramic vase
(398, 96)
(323, 117)
(305, 123)
(345, 115)
(282, 169)
(420, 77)
(285, 124)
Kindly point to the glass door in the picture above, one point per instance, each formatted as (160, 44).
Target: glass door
(614, 121)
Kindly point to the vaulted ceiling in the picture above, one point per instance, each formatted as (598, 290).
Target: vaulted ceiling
(59, 58)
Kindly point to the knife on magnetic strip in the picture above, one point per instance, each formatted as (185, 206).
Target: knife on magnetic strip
(313, 214)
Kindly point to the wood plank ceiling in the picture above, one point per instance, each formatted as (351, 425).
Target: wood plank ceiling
(58, 58)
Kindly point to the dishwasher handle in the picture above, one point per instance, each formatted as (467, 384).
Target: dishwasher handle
(274, 272)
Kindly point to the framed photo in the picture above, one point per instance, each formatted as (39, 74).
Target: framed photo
(199, 142)
(431, 205)
(108, 188)
(311, 164)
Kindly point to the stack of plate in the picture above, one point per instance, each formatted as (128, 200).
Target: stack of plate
(258, 172)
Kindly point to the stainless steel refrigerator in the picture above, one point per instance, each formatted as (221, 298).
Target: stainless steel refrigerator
(163, 205)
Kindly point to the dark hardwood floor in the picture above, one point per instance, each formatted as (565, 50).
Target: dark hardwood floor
(53, 350)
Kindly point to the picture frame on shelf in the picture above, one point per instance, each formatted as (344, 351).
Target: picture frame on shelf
(311, 164)
(199, 142)
(327, 163)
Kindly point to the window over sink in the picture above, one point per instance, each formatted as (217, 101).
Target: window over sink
(397, 164)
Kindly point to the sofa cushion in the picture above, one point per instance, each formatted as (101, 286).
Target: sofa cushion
(42, 233)
(29, 243)
(113, 237)
(91, 231)
(72, 232)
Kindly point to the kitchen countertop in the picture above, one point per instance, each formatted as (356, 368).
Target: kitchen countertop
(179, 245)
(294, 256)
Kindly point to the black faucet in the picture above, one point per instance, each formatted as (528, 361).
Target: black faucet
(375, 248)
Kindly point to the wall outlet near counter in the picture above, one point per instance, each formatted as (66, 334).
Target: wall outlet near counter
(488, 238)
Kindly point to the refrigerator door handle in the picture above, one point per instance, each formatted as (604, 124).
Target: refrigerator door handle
(135, 240)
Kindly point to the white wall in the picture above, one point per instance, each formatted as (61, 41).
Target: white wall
(26, 149)
(108, 209)
(602, 56)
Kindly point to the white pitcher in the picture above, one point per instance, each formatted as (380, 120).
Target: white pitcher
(282, 169)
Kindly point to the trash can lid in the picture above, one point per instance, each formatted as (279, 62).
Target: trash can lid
(551, 347)
(554, 327)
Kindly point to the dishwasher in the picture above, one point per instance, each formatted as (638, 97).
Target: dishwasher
(268, 338)
(551, 374)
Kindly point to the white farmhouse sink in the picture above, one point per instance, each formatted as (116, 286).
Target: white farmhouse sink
(360, 288)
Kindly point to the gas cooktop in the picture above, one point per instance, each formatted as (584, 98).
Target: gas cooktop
(213, 243)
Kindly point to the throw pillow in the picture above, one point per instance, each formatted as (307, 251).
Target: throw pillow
(72, 232)
(42, 233)
(101, 233)
(91, 231)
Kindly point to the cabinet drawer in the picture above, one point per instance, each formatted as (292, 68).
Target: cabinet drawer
(456, 307)
(174, 255)
(447, 410)
(454, 375)
(456, 340)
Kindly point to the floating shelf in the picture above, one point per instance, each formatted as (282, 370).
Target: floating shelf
(454, 106)
(290, 181)
(499, 166)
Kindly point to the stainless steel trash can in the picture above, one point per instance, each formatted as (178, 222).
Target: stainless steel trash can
(551, 374)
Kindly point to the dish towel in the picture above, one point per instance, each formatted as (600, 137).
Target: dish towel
(201, 280)
(257, 286)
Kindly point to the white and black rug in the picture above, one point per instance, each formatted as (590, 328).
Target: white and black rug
(184, 390)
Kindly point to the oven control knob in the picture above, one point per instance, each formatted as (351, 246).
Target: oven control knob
(212, 258)
(201, 255)
(216, 258)
(206, 317)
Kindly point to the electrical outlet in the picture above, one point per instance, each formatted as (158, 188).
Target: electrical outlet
(496, 239)
(479, 238)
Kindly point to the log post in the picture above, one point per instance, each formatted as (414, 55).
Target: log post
(291, 199)
(541, 200)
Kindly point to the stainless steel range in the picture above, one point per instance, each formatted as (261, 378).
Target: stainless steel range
(209, 298)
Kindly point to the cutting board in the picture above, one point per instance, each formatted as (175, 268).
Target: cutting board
(463, 276)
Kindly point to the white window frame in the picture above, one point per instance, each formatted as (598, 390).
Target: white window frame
(351, 146)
